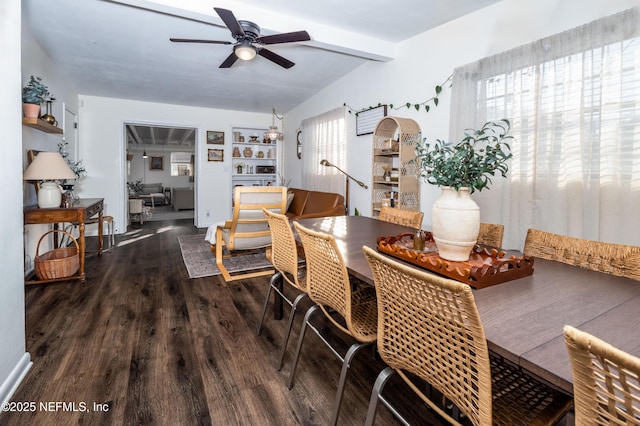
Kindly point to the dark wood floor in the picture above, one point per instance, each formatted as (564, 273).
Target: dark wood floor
(157, 348)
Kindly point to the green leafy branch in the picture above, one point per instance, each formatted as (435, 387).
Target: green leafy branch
(426, 105)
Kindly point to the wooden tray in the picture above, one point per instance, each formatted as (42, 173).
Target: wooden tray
(486, 266)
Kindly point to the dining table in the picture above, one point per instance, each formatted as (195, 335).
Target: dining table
(523, 318)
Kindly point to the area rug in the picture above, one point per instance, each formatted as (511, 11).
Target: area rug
(201, 262)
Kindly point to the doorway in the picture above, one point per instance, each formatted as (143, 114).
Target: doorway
(160, 171)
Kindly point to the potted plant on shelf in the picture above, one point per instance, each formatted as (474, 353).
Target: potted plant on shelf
(460, 169)
(33, 95)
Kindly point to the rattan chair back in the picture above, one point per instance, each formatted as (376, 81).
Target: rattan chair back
(606, 381)
(401, 217)
(429, 326)
(491, 234)
(284, 251)
(443, 334)
(328, 285)
(616, 259)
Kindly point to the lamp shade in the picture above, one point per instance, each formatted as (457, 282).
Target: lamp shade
(48, 166)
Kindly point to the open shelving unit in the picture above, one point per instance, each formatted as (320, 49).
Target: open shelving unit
(394, 143)
(261, 167)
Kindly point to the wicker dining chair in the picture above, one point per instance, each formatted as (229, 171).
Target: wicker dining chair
(401, 217)
(248, 228)
(606, 381)
(429, 326)
(349, 305)
(491, 234)
(284, 257)
(616, 259)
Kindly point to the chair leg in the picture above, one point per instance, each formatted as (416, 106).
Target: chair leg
(375, 394)
(273, 279)
(307, 316)
(292, 315)
(346, 364)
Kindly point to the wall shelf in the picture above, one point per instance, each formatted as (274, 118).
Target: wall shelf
(41, 125)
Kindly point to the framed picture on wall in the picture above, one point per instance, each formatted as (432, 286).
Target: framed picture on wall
(214, 137)
(156, 163)
(215, 155)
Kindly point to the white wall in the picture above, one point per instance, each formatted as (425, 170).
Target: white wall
(36, 62)
(102, 147)
(14, 360)
(427, 60)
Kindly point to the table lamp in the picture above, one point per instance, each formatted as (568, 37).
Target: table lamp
(49, 167)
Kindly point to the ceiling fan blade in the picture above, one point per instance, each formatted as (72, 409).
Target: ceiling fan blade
(274, 57)
(231, 59)
(191, 40)
(230, 21)
(284, 37)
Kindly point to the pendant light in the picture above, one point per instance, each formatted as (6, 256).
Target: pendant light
(273, 134)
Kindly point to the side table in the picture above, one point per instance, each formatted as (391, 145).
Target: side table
(79, 213)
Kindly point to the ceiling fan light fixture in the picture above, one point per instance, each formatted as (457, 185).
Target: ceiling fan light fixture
(245, 51)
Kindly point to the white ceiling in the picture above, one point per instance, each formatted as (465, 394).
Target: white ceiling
(121, 48)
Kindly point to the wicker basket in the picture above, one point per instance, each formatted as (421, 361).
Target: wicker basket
(59, 262)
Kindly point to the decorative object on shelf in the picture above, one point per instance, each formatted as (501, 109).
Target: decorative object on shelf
(156, 163)
(254, 138)
(215, 155)
(216, 138)
(247, 152)
(48, 117)
(33, 95)
(236, 152)
(346, 188)
(387, 173)
(239, 167)
(260, 154)
(460, 169)
(273, 134)
(49, 167)
(269, 153)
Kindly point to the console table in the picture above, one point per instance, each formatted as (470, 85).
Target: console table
(79, 213)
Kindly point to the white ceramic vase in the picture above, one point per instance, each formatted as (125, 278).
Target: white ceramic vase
(455, 223)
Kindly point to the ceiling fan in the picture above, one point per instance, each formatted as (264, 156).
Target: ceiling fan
(249, 42)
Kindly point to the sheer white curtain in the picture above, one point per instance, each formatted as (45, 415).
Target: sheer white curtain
(324, 138)
(574, 104)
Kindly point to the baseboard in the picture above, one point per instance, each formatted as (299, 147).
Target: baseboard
(14, 379)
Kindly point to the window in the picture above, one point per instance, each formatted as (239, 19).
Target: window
(573, 100)
(324, 138)
(181, 164)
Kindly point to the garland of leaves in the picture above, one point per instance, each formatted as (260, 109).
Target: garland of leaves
(426, 104)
